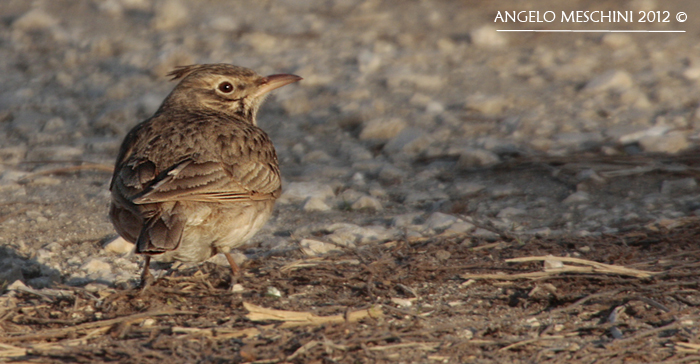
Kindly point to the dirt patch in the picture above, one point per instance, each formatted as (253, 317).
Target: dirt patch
(416, 304)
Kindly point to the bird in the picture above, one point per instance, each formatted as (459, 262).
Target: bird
(199, 177)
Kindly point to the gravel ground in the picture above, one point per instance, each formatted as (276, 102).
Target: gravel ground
(411, 121)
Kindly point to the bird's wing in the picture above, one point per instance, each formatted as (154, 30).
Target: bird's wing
(210, 181)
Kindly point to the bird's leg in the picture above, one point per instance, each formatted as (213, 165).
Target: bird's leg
(146, 276)
(234, 270)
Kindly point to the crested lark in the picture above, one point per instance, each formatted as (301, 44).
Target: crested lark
(199, 177)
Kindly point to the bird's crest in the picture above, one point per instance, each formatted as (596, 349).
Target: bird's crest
(182, 71)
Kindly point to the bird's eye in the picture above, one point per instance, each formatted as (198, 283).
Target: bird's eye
(225, 87)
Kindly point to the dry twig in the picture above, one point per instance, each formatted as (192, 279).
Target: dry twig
(58, 333)
(296, 318)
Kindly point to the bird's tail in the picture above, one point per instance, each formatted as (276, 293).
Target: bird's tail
(160, 233)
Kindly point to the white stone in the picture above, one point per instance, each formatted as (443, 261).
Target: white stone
(402, 302)
(148, 322)
(440, 221)
(382, 129)
(434, 108)
(460, 227)
(671, 143)
(391, 174)
(489, 105)
(119, 246)
(300, 191)
(35, 19)
(97, 266)
(404, 220)
(315, 248)
(237, 288)
(617, 40)
(54, 124)
(577, 197)
(627, 134)
(220, 259)
(510, 212)
(273, 292)
(472, 157)
(315, 204)
(612, 80)
(463, 189)
(354, 151)
(408, 143)
(692, 73)
(367, 202)
(483, 233)
(488, 37)
(368, 61)
(349, 196)
(578, 140)
(349, 234)
(635, 98)
(224, 23)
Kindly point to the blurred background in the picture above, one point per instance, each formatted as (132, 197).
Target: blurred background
(77, 75)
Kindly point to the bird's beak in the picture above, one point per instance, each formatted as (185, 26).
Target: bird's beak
(272, 82)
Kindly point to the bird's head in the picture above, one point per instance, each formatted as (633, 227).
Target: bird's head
(224, 88)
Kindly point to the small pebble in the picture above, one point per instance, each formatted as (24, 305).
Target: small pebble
(315, 204)
(367, 203)
(488, 37)
(119, 246)
(273, 292)
(382, 129)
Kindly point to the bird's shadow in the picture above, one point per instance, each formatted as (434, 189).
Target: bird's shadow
(14, 267)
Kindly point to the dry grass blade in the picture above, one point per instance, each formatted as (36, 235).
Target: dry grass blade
(497, 245)
(48, 295)
(9, 351)
(687, 348)
(58, 333)
(416, 345)
(221, 334)
(314, 262)
(537, 339)
(509, 277)
(296, 318)
(298, 264)
(596, 267)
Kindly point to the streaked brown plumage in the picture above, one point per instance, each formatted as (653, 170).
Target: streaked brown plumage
(199, 177)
